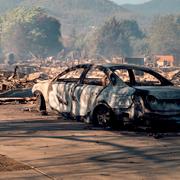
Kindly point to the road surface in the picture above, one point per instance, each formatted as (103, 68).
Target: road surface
(50, 147)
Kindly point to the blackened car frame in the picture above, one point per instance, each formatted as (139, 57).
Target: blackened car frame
(111, 94)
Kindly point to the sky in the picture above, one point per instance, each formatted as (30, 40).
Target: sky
(130, 1)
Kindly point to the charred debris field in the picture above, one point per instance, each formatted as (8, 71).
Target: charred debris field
(36, 143)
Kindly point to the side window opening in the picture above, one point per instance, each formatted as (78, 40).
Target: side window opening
(96, 77)
(71, 76)
(145, 79)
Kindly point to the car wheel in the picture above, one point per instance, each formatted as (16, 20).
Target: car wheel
(40, 103)
(103, 116)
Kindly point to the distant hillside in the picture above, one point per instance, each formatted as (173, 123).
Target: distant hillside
(6, 5)
(156, 7)
(77, 14)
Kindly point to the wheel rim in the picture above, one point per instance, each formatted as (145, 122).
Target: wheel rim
(103, 117)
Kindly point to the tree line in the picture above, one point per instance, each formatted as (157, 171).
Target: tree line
(26, 32)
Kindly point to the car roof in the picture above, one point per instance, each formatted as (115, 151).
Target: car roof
(127, 66)
(114, 66)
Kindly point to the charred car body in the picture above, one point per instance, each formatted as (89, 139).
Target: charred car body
(111, 94)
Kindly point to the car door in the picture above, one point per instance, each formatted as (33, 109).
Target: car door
(84, 95)
(60, 97)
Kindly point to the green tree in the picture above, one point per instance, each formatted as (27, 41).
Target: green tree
(30, 31)
(114, 38)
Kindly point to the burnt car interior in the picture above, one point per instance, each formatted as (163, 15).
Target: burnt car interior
(95, 76)
(85, 75)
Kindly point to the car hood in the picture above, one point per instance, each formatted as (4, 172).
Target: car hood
(160, 92)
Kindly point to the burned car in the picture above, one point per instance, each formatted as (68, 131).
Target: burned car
(110, 94)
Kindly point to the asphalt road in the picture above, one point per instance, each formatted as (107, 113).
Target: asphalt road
(55, 148)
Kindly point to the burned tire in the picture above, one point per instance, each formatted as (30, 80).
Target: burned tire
(40, 103)
(103, 116)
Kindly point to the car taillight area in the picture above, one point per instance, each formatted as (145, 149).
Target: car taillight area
(163, 105)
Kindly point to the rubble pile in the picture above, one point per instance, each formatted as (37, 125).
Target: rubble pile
(11, 82)
(16, 85)
(176, 78)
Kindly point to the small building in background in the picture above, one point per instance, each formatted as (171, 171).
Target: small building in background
(164, 60)
(135, 60)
